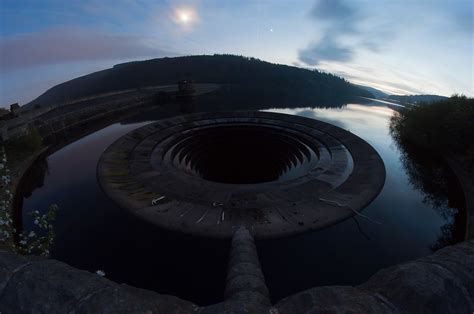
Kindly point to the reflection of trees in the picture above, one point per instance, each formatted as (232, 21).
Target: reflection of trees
(256, 97)
(236, 97)
(440, 188)
(34, 179)
(31, 181)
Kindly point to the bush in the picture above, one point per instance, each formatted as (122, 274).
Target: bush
(30, 141)
(25, 241)
(445, 126)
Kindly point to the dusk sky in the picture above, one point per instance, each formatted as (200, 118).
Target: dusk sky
(401, 47)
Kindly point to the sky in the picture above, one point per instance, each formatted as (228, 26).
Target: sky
(400, 47)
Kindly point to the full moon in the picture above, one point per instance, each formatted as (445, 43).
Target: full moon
(184, 17)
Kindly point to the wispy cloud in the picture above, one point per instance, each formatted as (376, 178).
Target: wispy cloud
(62, 45)
(335, 18)
(327, 49)
(412, 46)
(339, 13)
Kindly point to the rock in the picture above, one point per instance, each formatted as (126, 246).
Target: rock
(440, 283)
(126, 299)
(334, 299)
(48, 286)
(419, 287)
(459, 260)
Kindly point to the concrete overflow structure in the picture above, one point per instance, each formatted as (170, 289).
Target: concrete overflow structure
(207, 173)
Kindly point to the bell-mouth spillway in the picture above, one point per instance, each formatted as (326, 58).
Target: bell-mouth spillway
(208, 173)
(243, 154)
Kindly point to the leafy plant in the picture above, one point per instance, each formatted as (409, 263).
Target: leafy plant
(25, 242)
(444, 127)
(30, 141)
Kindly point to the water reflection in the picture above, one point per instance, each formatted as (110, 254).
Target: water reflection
(441, 191)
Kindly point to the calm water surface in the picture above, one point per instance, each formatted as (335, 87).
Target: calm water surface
(93, 233)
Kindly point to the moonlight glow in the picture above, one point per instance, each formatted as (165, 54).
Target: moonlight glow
(185, 17)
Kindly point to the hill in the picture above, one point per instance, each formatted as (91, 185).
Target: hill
(415, 99)
(251, 73)
(376, 92)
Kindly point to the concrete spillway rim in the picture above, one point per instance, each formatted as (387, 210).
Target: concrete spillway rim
(192, 205)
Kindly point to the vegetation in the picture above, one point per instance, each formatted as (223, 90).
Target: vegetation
(30, 141)
(426, 135)
(444, 127)
(24, 146)
(24, 242)
(4, 111)
(264, 77)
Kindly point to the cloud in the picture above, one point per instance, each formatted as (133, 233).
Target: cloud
(333, 10)
(61, 45)
(326, 49)
(338, 13)
(337, 19)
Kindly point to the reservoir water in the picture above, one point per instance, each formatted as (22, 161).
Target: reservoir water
(418, 211)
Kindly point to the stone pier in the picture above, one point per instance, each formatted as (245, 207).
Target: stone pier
(245, 281)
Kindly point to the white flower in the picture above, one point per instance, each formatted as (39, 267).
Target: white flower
(32, 234)
(100, 273)
(36, 222)
(23, 242)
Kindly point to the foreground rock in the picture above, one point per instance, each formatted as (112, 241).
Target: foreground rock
(440, 283)
(47, 286)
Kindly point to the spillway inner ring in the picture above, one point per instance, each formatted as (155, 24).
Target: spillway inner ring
(242, 154)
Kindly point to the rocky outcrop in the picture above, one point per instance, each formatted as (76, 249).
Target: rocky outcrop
(33, 285)
(439, 283)
(335, 299)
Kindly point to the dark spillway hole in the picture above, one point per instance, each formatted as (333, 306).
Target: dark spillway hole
(243, 154)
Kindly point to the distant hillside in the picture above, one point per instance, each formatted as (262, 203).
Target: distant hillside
(376, 92)
(262, 77)
(414, 99)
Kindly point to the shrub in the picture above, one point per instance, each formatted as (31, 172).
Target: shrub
(25, 242)
(30, 141)
(446, 126)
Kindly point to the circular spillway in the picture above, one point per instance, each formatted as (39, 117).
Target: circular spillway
(209, 173)
(242, 154)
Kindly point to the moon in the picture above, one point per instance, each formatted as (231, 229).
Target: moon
(185, 16)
